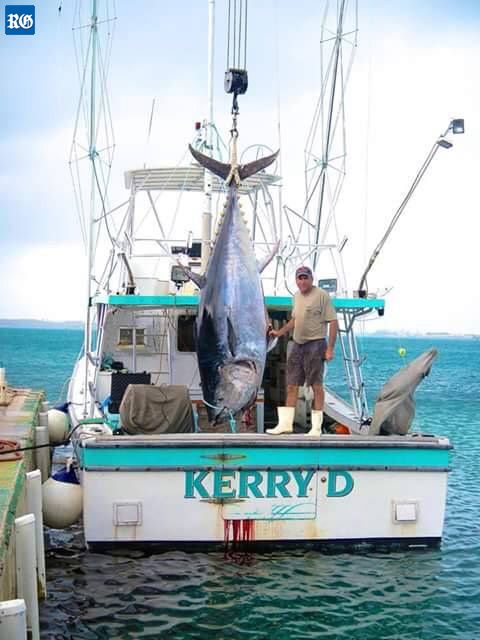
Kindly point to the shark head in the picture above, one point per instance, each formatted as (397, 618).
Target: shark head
(237, 388)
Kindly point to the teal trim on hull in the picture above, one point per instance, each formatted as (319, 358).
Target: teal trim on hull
(262, 457)
(279, 302)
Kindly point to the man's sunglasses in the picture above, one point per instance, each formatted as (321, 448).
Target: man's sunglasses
(303, 277)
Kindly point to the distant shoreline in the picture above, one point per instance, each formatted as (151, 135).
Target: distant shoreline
(27, 323)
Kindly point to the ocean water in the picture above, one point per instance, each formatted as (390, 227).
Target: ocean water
(288, 594)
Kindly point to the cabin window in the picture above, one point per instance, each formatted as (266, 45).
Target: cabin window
(186, 333)
(125, 337)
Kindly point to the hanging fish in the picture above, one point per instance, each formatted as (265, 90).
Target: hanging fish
(232, 321)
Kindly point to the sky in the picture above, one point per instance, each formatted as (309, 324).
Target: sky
(415, 68)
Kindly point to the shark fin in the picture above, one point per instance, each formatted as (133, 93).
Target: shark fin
(246, 170)
(220, 169)
(262, 265)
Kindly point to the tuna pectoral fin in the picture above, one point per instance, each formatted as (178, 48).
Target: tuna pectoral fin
(266, 261)
(246, 170)
(232, 338)
(218, 168)
(271, 343)
(198, 279)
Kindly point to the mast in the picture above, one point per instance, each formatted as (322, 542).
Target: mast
(90, 237)
(91, 154)
(325, 149)
(207, 176)
(329, 128)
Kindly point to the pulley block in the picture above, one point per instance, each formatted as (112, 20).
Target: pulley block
(236, 81)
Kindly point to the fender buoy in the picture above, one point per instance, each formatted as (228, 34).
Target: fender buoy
(61, 502)
(57, 426)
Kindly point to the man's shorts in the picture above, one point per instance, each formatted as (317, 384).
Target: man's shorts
(305, 363)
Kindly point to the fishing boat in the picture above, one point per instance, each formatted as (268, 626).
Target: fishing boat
(155, 469)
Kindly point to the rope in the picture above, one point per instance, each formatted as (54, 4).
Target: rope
(231, 418)
(64, 442)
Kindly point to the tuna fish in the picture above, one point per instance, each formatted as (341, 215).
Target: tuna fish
(232, 320)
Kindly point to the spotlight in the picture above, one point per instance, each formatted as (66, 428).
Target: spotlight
(444, 143)
(458, 125)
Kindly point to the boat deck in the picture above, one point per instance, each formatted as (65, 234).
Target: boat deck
(297, 440)
(180, 452)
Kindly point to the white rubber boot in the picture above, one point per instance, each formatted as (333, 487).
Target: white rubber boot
(285, 421)
(317, 419)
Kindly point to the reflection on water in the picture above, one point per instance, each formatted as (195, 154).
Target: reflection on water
(294, 594)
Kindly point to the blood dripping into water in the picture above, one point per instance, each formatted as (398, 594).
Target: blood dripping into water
(237, 547)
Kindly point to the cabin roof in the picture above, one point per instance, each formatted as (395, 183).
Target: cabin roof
(189, 178)
(189, 302)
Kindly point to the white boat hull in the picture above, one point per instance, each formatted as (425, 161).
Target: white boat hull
(329, 491)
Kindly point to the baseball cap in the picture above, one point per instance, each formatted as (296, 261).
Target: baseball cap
(304, 271)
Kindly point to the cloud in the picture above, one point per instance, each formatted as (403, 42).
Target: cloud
(407, 82)
(45, 282)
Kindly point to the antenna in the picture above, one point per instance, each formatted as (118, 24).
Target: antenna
(149, 130)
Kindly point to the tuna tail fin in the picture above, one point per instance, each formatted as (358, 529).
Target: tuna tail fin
(220, 169)
(223, 169)
(247, 170)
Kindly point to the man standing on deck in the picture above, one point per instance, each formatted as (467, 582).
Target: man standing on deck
(312, 312)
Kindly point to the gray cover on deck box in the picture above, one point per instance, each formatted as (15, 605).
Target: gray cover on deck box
(395, 406)
(147, 409)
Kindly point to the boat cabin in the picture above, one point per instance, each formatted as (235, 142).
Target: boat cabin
(150, 339)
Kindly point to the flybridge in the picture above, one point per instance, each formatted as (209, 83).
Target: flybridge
(280, 302)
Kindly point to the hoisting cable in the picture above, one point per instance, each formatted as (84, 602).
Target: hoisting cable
(236, 76)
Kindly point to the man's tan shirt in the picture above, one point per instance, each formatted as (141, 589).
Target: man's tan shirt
(312, 312)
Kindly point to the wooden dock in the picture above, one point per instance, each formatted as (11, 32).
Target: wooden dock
(18, 420)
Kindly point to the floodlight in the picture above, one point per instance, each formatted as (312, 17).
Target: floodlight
(178, 275)
(458, 125)
(444, 143)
